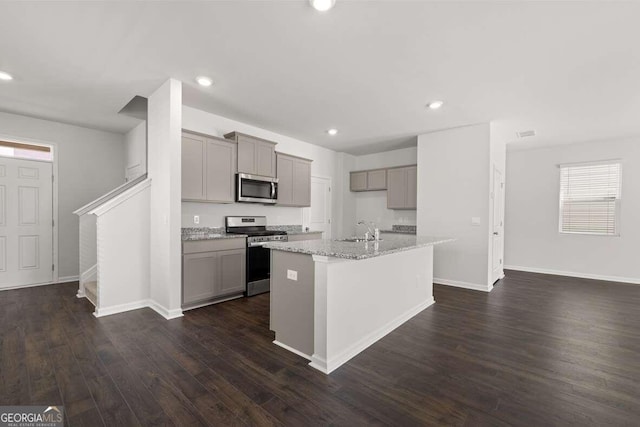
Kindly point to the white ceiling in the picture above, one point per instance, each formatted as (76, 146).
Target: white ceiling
(569, 70)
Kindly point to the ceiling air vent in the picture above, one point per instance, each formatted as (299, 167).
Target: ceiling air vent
(526, 133)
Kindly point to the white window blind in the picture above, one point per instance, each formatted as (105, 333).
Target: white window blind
(590, 198)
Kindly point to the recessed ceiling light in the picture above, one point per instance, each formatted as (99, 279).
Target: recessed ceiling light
(322, 5)
(434, 105)
(332, 132)
(5, 76)
(204, 81)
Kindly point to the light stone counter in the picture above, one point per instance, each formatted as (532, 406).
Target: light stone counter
(357, 250)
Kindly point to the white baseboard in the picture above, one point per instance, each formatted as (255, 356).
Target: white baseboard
(115, 309)
(81, 294)
(60, 280)
(631, 280)
(328, 366)
(465, 285)
(165, 312)
(292, 350)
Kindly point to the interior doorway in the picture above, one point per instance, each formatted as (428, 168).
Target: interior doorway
(319, 215)
(497, 238)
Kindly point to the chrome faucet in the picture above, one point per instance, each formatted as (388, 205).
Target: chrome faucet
(371, 234)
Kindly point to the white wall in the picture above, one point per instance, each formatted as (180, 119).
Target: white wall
(212, 214)
(371, 206)
(136, 151)
(90, 163)
(123, 251)
(453, 187)
(165, 130)
(532, 209)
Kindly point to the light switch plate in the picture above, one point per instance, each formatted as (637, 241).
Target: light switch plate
(292, 275)
(196, 219)
(475, 220)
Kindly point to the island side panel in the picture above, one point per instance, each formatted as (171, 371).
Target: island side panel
(359, 302)
(292, 301)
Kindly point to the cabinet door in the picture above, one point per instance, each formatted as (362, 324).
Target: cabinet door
(200, 274)
(301, 183)
(396, 188)
(193, 166)
(220, 171)
(377, 180)
(412, 188)
(246, 155)
(232, 272)
(285, 180)
(358, 181)
(265, 159)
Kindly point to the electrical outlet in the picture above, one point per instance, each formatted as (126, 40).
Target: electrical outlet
(292, 275)
(196, 219)
(475, 220)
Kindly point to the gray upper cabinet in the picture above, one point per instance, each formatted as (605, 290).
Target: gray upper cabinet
(412, 187)
(285, 179)
(377, 180)
(358, 181)
(372, 180)
(402, 187)
(208, 169)
(294, 180)
(255, 156)
(220, 171)
(193, 154)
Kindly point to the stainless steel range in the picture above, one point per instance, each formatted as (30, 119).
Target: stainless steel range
(258, 257)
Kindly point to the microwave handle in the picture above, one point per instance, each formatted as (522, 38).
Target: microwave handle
(273, 190)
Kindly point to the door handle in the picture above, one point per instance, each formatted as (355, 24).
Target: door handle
(495, 233)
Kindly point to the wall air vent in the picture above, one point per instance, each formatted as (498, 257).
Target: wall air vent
(526, 133)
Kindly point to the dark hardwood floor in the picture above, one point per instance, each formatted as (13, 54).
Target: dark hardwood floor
(539, 350)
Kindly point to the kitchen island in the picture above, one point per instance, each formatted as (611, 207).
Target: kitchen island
(331, 299)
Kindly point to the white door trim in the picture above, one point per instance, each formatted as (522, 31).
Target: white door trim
(54, 151)
(308, 213)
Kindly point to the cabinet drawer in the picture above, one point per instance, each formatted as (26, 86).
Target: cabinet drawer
(213, 245)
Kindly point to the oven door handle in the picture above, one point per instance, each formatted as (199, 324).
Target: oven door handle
(256, 244)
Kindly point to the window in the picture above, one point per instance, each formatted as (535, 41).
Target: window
(25, 151)
(590, 198)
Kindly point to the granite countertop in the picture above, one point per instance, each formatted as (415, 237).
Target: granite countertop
(291, 229)
(357, 250)
(207, 233)
(398, 232)
(294, 232)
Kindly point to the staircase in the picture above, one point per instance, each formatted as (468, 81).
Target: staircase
(109, 227)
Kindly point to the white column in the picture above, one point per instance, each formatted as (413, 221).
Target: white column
(164, 169)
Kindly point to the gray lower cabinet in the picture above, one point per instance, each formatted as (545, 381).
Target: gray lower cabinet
(209, 274)
(294, 180)
(255, 156)
(208, 169)
(402, 187)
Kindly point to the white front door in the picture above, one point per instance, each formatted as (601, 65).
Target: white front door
(320, 211)
(498, 226)
(26, 222)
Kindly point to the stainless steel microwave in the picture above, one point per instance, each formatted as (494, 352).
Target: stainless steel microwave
(256, 189)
